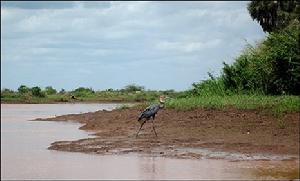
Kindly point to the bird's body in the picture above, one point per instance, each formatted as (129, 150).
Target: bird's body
(149, 112)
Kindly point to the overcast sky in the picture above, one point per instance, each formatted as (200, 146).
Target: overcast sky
(159, 45)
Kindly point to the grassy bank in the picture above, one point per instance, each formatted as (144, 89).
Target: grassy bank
(276, 104)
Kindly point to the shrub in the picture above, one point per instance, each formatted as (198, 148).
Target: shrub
(23, 89)
(36, 91)
(83, 92)
(133, 88)
(271, 67)
(212, 86)
(8, 93)
(50, 90)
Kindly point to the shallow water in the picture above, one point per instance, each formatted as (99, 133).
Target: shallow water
(24, 153)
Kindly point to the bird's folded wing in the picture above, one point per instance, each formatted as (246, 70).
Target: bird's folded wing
(148, 108)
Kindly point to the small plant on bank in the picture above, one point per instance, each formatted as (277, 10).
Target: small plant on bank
(122, 107)
(281, 123)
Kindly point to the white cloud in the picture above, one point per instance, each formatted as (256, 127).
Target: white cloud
(187, 46)
(195, 36)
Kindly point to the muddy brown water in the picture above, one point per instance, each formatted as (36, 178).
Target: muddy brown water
(24, 153)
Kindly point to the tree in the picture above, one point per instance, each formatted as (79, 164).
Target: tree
(83, 89)
(23, 89)
(133, 88)
(274, 15)
(83, 92)
(50, 90)
(36, 91)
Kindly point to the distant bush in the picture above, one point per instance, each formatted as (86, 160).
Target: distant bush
(50, 90)
(49, 94)
(133, 88)
(83, 92)
(110, 90)
(169, 92)
(23, 89)
(36, 91)
(8, 93)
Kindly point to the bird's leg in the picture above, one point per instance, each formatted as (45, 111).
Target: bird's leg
(153, 127)
(140, 128)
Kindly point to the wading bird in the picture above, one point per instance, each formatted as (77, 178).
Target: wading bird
(151, 112)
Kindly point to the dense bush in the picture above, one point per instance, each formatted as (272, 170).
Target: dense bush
(23, 89)
(284, 55)
(83, 92)
(7, 93)
(50, 90)
(271, 67)
(37, 91)
(133, 88)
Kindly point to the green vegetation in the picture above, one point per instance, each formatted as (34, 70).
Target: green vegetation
(271, 67)
(276, 104)
(37, 92)
(133, 87)
(130, 93)
(50, 90)
(265, 76)
(123, 107)
(23, 89)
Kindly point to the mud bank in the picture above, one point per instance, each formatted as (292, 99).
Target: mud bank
(201, 133)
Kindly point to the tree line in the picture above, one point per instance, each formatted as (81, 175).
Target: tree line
(37, 91)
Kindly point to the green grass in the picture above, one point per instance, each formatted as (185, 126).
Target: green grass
(276, 104)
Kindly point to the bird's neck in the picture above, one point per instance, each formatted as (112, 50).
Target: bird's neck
(161, 104)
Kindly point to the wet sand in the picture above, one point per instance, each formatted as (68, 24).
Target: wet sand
(233, 134)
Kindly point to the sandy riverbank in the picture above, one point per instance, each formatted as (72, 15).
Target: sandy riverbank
(181, 133)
